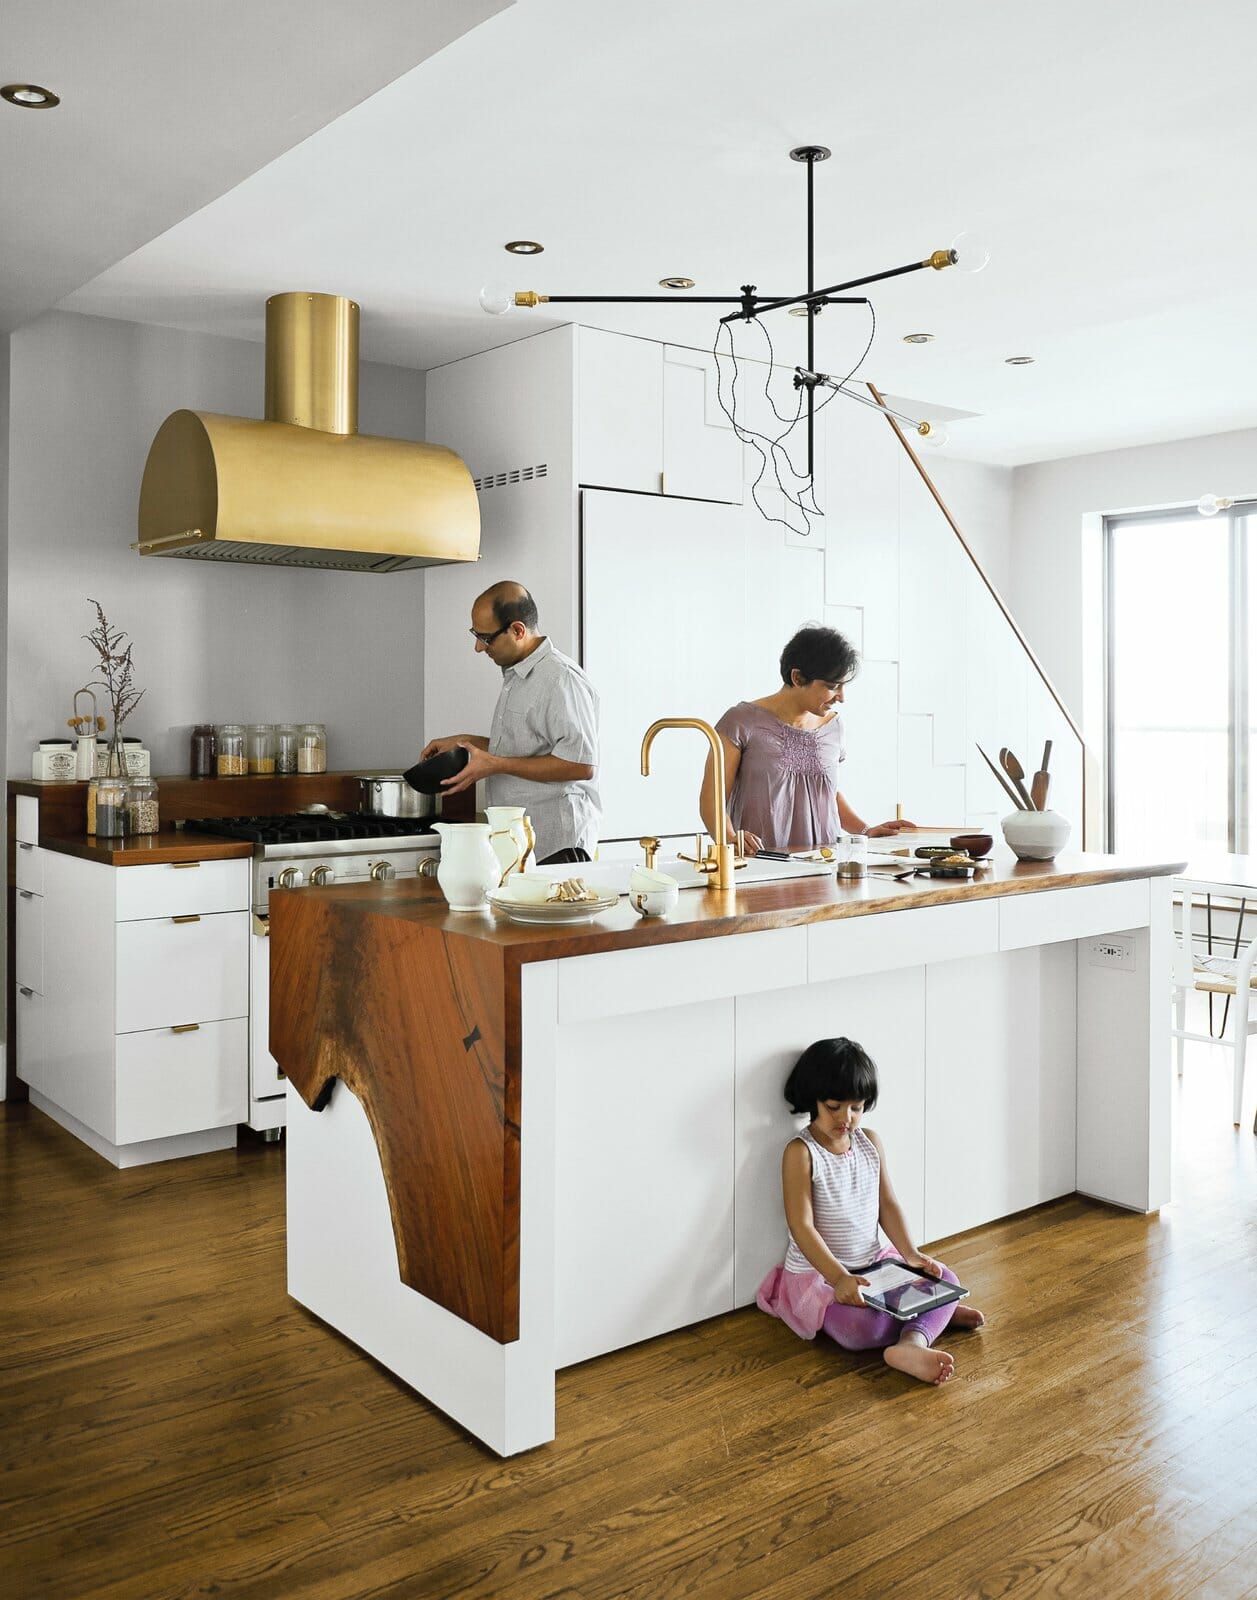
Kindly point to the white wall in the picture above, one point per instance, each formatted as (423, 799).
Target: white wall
(213, 643)
(1056, 505)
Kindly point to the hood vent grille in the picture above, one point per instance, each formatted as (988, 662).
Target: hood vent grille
(304, 488)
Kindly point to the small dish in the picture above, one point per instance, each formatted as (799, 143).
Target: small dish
(550, 912)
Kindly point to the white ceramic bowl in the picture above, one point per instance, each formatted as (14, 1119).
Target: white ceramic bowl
(1035, 835)
(646, 878)
(656, 902)
(529, 888)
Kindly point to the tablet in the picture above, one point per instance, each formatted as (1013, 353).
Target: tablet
(903, 1291)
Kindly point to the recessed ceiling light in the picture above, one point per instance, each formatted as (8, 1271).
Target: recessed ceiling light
(524, 247)
(1019, 361)
(676, 283)
(918, 338)
(29, 96)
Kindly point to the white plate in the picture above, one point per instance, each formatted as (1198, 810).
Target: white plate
(551, 911)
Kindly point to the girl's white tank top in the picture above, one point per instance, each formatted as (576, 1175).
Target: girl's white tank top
(845, 1193)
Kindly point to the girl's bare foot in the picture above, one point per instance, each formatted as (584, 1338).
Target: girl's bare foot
(919, 1361)
(967, 1317)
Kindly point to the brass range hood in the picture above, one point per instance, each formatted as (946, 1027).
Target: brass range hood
(304, 488)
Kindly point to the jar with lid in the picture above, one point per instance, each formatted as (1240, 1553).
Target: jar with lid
(102, 758)
(285, 747)
(53, 761)
(142, 805)
(230, 758)
(136, 758)
(201, 751)
(312, 748)
(111, 807)
(260, 747)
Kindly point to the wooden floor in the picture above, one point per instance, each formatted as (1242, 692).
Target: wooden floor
(173, 1426)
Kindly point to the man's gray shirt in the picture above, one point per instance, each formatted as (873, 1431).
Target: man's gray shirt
(548, 707)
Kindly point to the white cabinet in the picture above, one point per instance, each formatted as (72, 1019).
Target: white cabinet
(133, 1004)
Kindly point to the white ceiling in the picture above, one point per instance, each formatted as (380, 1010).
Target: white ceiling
(165, 106)
(1102, 150)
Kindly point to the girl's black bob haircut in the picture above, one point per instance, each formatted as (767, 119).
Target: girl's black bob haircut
(831, 1069)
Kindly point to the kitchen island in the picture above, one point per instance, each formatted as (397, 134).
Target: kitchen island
(514, 1148)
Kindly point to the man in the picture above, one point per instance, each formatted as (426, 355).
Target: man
(542, 749)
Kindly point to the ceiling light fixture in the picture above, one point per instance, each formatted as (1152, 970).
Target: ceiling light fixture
(967, 252)
(524, 247)
(676, 283)
(1019, 361)
(1210, 504)
(29, 96)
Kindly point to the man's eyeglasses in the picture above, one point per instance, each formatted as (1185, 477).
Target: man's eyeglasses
(488, 638)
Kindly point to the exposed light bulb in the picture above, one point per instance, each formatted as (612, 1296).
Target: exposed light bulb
(970, 252)
(1210, 504)
(496, 299)
(933, 434)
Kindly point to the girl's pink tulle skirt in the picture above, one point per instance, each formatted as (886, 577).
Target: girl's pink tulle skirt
(800, 1299)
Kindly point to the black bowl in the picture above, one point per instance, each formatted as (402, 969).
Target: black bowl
(428, 776)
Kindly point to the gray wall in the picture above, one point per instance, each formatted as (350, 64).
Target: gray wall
(212, 643)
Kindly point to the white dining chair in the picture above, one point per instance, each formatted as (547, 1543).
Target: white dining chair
(1210, 974)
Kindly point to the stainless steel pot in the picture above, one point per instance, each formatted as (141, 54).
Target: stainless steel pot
(387, 794)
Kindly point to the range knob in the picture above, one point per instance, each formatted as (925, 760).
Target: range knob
(290, 878)
(381, 871)
(320, 876)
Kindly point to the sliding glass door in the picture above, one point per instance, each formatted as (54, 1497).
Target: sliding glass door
(1182, 675)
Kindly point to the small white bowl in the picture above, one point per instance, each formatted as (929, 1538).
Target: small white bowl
(656, 902)
(647, 878)
(1035, 835)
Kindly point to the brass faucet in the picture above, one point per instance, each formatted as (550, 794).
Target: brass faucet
(719, 865)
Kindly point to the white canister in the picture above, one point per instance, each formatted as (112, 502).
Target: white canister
(137, 758)
(53, 761)
(1035, 835)
(469, 867)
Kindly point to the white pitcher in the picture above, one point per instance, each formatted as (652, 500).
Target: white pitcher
(468, 867)
(511, 835)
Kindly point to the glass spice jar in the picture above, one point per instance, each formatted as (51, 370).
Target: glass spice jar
(230, 759)
(92, 785)
(285, 748)
(142, 806)
(260, 747)
(111, 807)
(312, 748)
(201, 751)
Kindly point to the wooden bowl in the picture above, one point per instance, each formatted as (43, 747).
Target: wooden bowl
(973, 844)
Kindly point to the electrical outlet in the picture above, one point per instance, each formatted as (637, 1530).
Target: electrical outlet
(1113, 950)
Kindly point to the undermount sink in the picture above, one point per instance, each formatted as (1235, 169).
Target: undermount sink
(613, 876)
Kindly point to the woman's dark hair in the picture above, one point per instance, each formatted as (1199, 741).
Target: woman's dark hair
(817, 652)
(831, 1069)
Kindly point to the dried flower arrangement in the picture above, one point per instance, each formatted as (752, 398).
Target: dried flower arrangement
(114, 665)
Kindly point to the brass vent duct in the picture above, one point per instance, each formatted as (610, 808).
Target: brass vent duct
(304, 487)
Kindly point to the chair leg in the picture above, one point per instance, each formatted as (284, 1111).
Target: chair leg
(1241, 1046)
(1180, 1024)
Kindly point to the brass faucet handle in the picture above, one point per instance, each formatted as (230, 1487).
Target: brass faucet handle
(651, 847)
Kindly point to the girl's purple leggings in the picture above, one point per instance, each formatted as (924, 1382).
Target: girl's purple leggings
(860, 1328)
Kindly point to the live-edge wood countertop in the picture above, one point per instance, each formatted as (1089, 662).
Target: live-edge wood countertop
(416, 1009)
(143, 850)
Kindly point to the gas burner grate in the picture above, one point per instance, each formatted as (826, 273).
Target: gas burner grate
(307, 828)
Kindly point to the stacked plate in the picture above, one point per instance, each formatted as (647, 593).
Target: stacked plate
(553, 911)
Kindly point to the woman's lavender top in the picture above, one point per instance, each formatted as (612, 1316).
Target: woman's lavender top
(787, 784)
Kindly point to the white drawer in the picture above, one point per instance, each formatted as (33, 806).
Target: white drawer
(170, 1083)
(172, 972)
(176, 888)
(849, 947)
(30, 1020)
(29, 872)
(1057, 914)
(28, 818)
(29, 941)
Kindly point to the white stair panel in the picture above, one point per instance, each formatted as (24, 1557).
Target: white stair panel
(702, 456)
(619, 411)
(931, 796)
(862, 523)
(870, 774)
(849, 621)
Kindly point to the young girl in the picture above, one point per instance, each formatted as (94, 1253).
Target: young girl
(837, 1191)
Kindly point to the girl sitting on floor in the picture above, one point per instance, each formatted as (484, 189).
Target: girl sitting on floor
(837, 1191)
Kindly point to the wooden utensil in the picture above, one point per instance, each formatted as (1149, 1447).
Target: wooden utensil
(1001, 779)
(1040, 783)
(1016, 772)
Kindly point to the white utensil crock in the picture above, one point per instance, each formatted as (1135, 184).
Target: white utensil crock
(1035, 835)
(468, 867)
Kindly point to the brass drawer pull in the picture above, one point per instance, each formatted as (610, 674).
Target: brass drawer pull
(186, 919)
(182, 866)
(261, 926)
(185, 1027)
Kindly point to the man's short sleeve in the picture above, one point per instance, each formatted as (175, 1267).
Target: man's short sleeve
(572, 719)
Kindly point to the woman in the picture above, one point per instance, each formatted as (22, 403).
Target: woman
(782, 754)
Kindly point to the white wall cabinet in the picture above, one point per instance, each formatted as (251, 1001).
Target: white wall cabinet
(133, 999)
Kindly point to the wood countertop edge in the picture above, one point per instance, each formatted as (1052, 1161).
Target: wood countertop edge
(520, 944)
(164, 848)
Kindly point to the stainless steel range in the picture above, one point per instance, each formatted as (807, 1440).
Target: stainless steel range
(316, 849)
